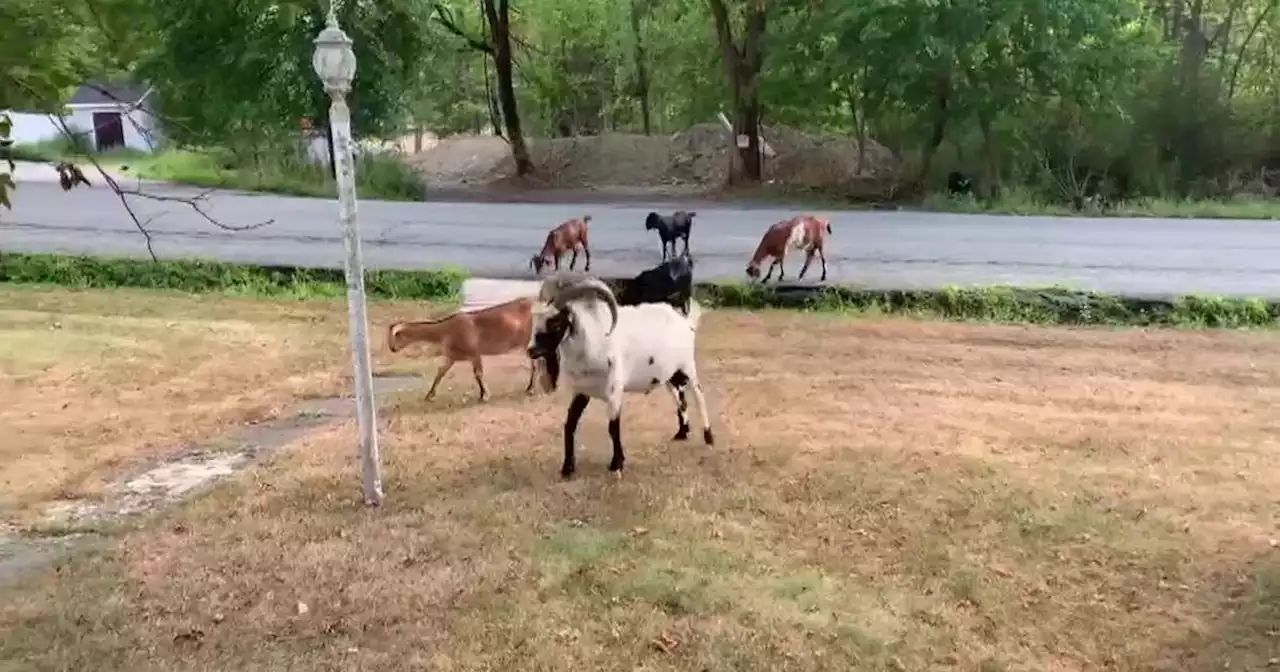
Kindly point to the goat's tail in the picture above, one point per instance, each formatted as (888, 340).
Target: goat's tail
(828, 228)
(586, 219)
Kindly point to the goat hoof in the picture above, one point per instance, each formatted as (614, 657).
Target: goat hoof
(615, 468)
(566, 473)
(681, 435)
(708, 437)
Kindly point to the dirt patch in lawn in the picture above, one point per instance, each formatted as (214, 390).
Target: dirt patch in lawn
(894, 495)
(98, 383)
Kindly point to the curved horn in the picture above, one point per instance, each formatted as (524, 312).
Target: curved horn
(587, 287)
(556, 283)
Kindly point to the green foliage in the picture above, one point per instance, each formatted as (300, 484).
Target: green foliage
(1006, 304)
(1067, 98)
(42, 53)
(235, 73)
(380, 175)
(199, 276)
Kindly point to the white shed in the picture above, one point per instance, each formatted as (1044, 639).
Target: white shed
(114, 115)
(107, 115)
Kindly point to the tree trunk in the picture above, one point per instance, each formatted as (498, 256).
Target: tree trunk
(499, 25)
(859, 129)
(742, 65)
(642, 70)
(941, 114)
(991, 166)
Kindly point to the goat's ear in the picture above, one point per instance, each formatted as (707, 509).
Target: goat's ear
(692, 215)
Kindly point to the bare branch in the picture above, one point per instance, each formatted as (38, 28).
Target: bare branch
(128, 207)
(196, 202)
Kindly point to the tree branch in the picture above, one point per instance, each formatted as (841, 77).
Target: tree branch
(196, 202)
(445, 18)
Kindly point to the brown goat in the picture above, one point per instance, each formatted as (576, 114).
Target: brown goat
(469, 336)
(570, 235)
(804, 232)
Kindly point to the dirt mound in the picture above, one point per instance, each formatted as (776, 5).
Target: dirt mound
(463, 159)
(701, 157)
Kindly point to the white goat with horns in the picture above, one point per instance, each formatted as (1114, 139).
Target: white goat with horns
(610, 350)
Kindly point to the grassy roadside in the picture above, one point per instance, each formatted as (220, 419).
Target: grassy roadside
(386, 177)
(1026, 204)
(378, 176)
(993, 304)
(1021, 202)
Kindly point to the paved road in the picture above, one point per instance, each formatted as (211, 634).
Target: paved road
(878, 249)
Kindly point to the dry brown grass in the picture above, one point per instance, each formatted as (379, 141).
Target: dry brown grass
(96, 382)
(908, 496)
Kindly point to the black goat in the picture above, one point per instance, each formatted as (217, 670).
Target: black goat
(958, 184)
(670, 282)
(670, 229)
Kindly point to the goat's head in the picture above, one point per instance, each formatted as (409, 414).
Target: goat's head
(562, 289)
(550, 325)
(653, 221)
(538, 262)
(753, 270)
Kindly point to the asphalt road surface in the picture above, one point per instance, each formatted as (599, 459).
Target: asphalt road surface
(1149, 257)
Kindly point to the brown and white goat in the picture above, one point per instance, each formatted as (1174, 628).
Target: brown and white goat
(804, 232)
(469, 336)
(570, 235)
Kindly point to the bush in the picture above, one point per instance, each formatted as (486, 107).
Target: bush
(202, 276)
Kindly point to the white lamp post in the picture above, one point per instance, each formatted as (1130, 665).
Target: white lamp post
(335, 65)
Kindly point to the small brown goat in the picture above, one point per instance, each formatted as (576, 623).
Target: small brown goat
(804, 232)
(570, 235)
(469, 336)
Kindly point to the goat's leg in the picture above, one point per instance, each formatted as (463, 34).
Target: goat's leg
(702, 410)
(615, 434)
(823, 256)
(664, 250)
(576, 407)
(769, 273)
(557, 262)
(574, 261)
(808, 259)
(586, 251)
(477, 367)
(686, 245)
(533, 374)
(782, 268)
(682, 411)
(444, 368)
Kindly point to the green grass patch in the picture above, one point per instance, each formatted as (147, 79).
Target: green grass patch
(382, 176)
(201, 276)
(62, 149)
(1026, 203)
(1054, 305)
